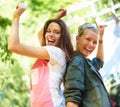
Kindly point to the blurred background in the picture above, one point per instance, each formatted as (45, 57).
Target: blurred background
(15, 69)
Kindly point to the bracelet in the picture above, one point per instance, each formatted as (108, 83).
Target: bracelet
(100, 41)
(15, 16)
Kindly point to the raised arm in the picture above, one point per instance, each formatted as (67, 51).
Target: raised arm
(100, 50)
(61, 13)
(14, 43)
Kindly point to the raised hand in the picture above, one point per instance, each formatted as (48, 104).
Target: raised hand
(61, 13)
(101, 28)
(20, 8)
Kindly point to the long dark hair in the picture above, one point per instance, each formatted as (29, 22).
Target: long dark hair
(65, 39)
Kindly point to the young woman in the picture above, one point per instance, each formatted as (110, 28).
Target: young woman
(48, 70)
(83, 83)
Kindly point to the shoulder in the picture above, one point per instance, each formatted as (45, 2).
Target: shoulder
(56, 54)
(77, 62)
(53, 49)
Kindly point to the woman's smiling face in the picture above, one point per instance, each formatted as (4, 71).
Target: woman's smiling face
(87, 42)
(53, 34)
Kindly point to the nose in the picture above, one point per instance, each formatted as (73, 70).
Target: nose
(52, 34)
(91, 43)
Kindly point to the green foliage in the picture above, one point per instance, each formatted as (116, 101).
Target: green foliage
(116, 1)
(14, 91)
(118, 10)
(102, 4)
(43, 7)
(115, 88)
(4, 53)
(40, 11)
(4, 23)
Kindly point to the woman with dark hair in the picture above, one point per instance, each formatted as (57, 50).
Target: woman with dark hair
(48, 71)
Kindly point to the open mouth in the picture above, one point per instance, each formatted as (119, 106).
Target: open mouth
(88, 50)
(51, 42)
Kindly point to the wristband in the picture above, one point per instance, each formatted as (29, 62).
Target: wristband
(100, 41)
(15, 16)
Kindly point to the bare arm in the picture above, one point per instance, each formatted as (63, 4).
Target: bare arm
(100, 50)
(72, 104)
(14, 43)
(61, 13)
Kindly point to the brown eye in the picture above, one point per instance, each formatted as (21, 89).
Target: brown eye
(95, 43)
(56, 32)
(87, 39)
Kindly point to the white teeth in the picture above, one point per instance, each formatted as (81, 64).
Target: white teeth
(50, 40)
(88, 49)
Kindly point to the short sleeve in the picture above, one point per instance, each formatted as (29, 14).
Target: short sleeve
(56, 55)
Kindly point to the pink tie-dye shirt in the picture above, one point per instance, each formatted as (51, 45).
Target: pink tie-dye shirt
(47, 78)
